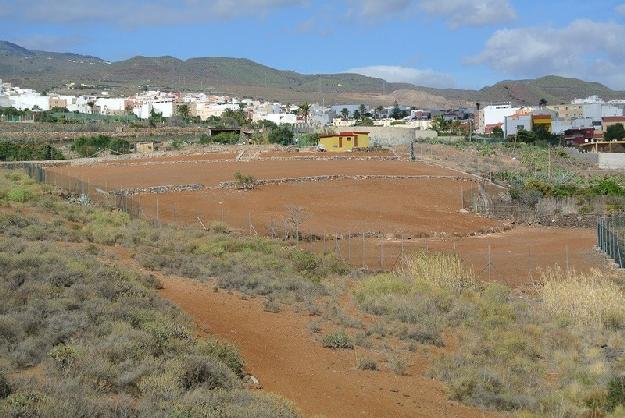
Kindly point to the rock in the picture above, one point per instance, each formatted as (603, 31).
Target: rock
(463, 211)
(251, 382)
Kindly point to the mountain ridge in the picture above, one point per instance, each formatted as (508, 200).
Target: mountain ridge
(47, 71)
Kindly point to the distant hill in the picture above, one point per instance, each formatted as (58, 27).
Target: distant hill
(46, 71)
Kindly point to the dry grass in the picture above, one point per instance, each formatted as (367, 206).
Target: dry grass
(583, 299)
(446, 271)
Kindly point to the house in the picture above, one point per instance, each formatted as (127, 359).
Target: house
(494, 116)
(147, 147)
(608, 121)
(344, 141)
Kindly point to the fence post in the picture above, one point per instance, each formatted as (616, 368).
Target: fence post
(363, 251)
(382, 254)
(349, 247)
(489, 262)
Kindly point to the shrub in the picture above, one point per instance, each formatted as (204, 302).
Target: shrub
(338, 340)
(205, 372)
(397, 365)
(616, 393)
(224, 352)
(583, 299)
(63, 355)
(446, 271)
(367, 364)
(5, 389)
(244, 181)
(19, 194)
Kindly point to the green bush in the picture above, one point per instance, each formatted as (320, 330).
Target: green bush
(19, 194)
(367, 364)
(616, 393)
(5, 388)
(17, 151)
(338, 340)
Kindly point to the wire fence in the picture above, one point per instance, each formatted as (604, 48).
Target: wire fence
(611, 237)
(371, 250)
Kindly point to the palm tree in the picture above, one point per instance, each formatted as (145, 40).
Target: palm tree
(184, 111)
(378, 111)
(304, 110)
(345, 113)
(363, 110)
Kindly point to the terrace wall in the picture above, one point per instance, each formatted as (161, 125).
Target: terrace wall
(394, 136)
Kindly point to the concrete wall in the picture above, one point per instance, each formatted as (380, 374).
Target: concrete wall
(589, 157)
(611, 161)
(393, 136)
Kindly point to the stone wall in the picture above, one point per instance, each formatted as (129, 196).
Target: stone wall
(393, 136)
(611, 161)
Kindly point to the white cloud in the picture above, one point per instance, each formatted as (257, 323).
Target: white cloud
(456, 13)
(137, 12)
(376, 8)
(419, 77)
(470, 12)
(49, 42)
(585, 48)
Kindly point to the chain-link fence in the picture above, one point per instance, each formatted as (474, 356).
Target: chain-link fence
(491, 259)
(85, 191)
(611, 237)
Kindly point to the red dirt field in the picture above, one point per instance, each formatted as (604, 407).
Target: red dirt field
(517, 257)
(422, 207)
(212, 173)
(280, 351)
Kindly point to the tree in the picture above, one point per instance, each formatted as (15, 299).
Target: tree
(184, 111)
(441, 125)
(357, 114)
(396, 113)
(542, 103)
(154, 118)
(234, 118)
(363, 110)
(281, 135)
(615, 132)
(498, 132)
(378, 112)
(526, 136)
(345, 113)
(366, 121)
(304, 111)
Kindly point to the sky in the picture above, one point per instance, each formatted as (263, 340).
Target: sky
(434, 43)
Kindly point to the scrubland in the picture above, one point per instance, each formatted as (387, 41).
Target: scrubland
(84, 333)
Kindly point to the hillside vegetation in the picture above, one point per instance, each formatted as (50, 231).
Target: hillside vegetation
(85, 333)
(82, 335)
(47, 70)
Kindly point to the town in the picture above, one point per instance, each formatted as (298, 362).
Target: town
(312, 209)
(579, 122)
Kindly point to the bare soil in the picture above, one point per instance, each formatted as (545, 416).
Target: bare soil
(421, 207)
(517, 257)
(288, 361)
(212, 173)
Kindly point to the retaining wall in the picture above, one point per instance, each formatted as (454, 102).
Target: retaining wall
(393, 136)
(611, 161)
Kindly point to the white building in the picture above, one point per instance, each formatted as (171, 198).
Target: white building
(30, 101)
(493, 115)
(111, 105)
(281, 118)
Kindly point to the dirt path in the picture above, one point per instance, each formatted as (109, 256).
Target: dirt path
(282, 353)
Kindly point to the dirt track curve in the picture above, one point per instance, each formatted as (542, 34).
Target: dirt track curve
(281, 352)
